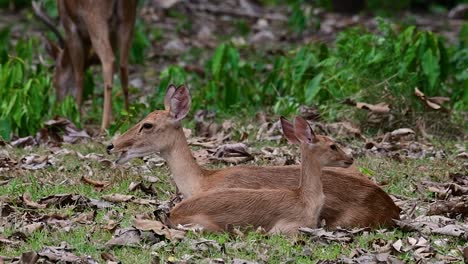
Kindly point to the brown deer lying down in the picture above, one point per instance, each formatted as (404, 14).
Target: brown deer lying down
(276, 210)
(104, 26)
(351, 199)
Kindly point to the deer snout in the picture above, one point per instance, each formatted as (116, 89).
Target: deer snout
(109, 148)
(350, 161)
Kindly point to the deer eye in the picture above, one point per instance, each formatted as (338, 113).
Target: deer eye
(147, 126)
(334, 147)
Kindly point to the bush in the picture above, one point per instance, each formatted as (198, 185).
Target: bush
(362, 66)
(27, 95)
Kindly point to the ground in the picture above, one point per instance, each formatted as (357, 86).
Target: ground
(86, 229)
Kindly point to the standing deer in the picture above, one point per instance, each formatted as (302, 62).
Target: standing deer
(351, 199)
(276, 210)
(104, 27)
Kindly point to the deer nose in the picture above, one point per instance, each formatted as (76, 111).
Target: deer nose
(109, 148)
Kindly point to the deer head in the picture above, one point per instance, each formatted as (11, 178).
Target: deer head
(328, 152)
(157, 132)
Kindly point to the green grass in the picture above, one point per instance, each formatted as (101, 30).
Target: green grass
(64, 177)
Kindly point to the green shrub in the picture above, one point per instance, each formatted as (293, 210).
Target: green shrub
(27, 95)
(362, 66)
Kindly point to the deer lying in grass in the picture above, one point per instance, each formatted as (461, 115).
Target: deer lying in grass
(103, 26)
(276, 210)
(351, 199)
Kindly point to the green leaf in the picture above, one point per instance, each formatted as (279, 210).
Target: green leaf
(431, 68)
(312, 88)
(217, 61)
(5, 129)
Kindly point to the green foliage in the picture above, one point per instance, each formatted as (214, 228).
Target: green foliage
(297, 19)
(27, 95)
(140, 44)
(362, 66)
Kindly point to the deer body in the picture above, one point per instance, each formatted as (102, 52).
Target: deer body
(105, 27)
(351, 199)
(276, 210)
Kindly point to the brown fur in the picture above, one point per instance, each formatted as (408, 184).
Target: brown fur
(351, 199)
(276, 210)
(104, 26)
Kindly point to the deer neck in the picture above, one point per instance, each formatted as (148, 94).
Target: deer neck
(310, 185)
(185, 171)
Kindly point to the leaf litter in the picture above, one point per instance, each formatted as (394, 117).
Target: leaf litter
(440, 214)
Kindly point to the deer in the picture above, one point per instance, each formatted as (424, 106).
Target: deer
(276, 210)
(91, 28)
(351, 199)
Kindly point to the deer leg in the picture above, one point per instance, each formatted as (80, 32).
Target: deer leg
(124, 37)
(200, 220)
(76, 52)
(124, 49)
(99, 35)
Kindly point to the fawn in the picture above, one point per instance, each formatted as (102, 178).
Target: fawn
(103, 26)
(351, 199)
(276, 210)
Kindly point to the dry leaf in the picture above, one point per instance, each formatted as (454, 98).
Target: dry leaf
(29, 203)
(59, 254)
(30, 257)
(124, 237)
(23, 142)
(31, 228)
(99, 185)
(380, 108)
(117, 198)
(158, 228)
(35, 162)
(433, 102)
(109, 258)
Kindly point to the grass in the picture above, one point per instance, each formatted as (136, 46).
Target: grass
(64, 177)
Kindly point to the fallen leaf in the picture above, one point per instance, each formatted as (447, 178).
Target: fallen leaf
(109, 258)
(30, 257)
(402, 134)
(310, 113)
(397, 245)
(453, 207)
(433, 102)
(35, 162)
(124, 237)
(232, 153)
(23, 142)
(59, 254)
(99, 185)
(71, 133)
(85, 218)
(158, 228)
(31, 228)
(380, 108)
(117, 198)
(29, 203)
(339, 235)
(6, 241)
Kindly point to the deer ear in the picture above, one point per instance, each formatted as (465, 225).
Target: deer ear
(303, 131)
(52, 49)
(180, 103)
(288, 131)
(167, 98)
